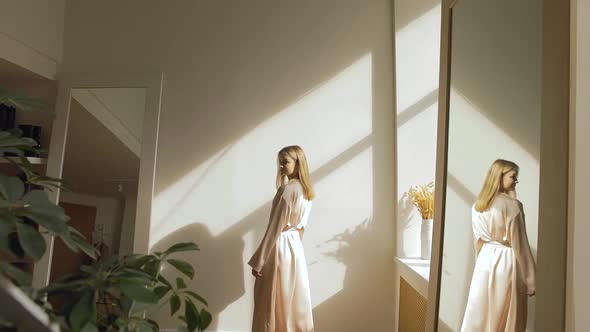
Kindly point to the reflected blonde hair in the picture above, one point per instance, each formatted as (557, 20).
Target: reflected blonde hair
(301, 169)
(493, 183)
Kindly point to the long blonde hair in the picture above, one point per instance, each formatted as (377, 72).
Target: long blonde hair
(296, 152)
(492, 184)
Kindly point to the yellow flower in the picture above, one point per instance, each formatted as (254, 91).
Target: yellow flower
(422, 197)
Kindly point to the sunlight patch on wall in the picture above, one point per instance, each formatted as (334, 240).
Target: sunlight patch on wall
(417, 48)
(344, 201)
(236, 185)
(417, 67)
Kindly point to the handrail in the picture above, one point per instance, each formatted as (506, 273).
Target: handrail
(20, 310)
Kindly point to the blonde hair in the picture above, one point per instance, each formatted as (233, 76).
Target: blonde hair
(492, 184)
(301, 168)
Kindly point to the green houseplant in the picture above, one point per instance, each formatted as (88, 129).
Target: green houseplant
(114, 294)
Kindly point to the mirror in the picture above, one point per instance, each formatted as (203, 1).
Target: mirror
(101, 171)
(494, 113)
(104, 145)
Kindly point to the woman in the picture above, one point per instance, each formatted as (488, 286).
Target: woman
(504, 272)
(281, 291)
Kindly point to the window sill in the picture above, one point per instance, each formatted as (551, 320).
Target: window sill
(416, 272)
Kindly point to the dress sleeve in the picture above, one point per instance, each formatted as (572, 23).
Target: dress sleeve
(277, 221)
(477, 241)
(525, 263)
(478, 245)
(306, 207)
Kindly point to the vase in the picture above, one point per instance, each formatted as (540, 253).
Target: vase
(426, 238)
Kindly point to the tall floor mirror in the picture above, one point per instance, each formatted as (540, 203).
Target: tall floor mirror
(495, 154)
(104, 147)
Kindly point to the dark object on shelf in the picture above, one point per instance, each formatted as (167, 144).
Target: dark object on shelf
(7, 117)
(34, 132)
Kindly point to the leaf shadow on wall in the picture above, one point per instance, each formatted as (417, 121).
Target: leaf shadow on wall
(363, 283)
(219, 269)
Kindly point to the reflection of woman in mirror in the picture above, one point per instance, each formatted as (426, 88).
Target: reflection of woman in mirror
(281, 292)
(504, 272)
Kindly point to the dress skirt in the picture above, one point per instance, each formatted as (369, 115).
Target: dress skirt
(494, 303)
(282, 300)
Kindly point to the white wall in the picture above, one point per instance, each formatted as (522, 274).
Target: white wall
(578, 290)
(494, 113)
(244, 79)
(417, 42)
(31, 34)
(107, 214)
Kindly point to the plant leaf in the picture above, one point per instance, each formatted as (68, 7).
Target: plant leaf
(89, 269)
(183, 267)
(75, 243)
(7, 227)
(196, 296)
(21, 101)
(174, 304)
(86, 247)
(83, 311)
(192, 315)
(11, 188)
(139, 308)
(7, 223)
(205, 319)
(152, 266)
(89, 328)
(155, 324)
(164, 281)
(19, 276)
(112, 262)
(138, 293)
(183, 246)
(5, 244)
(31, 240)
(45, 213)
(13, 150)
(70, 286)
(180, 283)
(161, 291)
(137, 261)
(131, 272)
(126, 304)
(14, 141)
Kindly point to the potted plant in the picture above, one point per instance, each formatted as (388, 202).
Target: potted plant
(422, 196)
(115, 294)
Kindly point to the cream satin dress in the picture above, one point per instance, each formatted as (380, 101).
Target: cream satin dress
(504, 272)
(281, 296)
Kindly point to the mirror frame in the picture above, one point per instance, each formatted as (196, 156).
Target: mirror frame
(554, 166)
(153, 83)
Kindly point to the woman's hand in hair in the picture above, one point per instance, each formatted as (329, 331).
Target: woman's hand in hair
(301, 231)
(256, 273)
